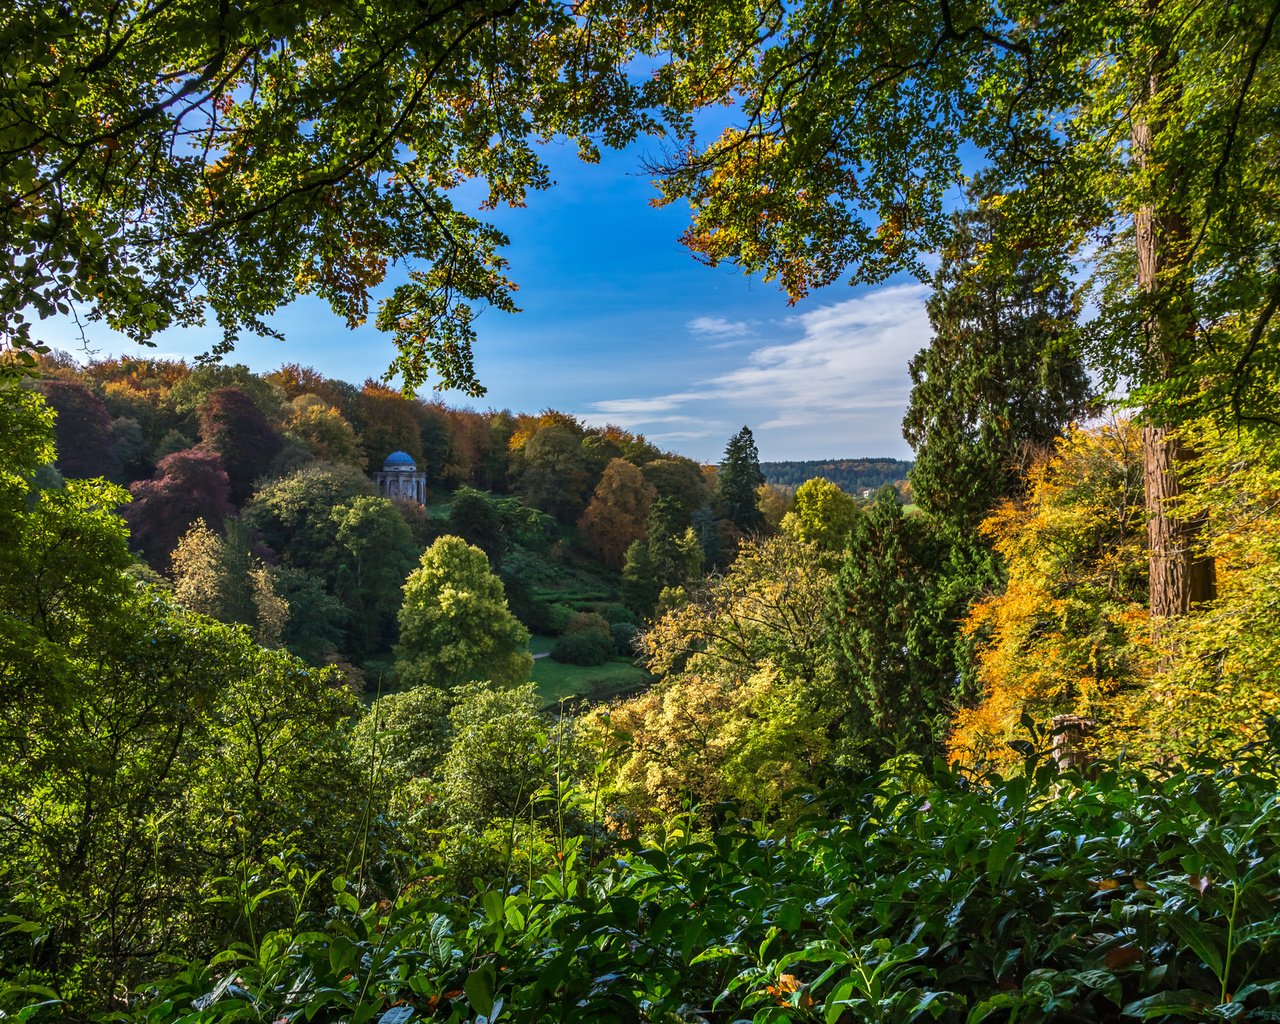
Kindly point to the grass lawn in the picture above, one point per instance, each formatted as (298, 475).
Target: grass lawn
(557, 682)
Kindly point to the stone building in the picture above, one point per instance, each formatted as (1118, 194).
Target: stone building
(400, 479)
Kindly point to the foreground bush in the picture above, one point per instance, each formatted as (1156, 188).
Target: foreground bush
(1040, 898)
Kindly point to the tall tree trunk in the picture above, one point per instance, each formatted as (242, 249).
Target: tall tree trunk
(1178, 578)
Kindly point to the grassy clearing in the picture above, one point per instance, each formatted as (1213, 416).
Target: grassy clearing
(558, 682)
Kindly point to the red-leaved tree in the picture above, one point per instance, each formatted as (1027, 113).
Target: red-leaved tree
(83, 431)
(188, 485)
(233, 427)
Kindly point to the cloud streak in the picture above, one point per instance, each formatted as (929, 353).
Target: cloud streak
(840, 388)
(719, 328)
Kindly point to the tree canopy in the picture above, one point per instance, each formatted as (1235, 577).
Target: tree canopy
(455, 626)
(162, 163)
(1138, 137)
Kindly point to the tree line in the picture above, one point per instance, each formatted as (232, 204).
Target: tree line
(851, 475)
(253, 495)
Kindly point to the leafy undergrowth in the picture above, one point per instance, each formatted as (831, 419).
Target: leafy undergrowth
(1038, 898)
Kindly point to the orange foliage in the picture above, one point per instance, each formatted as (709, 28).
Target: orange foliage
(1069, 634)
(618, 513)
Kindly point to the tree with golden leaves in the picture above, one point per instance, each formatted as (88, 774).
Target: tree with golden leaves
(618, 513)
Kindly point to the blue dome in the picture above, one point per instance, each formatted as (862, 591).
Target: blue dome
(399, 460)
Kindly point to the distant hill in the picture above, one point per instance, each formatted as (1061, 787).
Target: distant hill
(851, 475)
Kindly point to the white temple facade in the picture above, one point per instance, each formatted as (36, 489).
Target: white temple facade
(400, 479)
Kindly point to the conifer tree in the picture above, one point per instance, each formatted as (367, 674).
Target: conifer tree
(738, 481)
(889, 645)
(999, 381)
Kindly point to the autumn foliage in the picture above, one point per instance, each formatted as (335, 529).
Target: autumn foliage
(1067, 633)
(1070, 634)
(618, 512)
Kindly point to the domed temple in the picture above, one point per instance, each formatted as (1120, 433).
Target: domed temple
(400, 479)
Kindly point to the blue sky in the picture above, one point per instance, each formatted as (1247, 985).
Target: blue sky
(621, 325)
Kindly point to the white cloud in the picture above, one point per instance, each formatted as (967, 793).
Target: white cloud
(642, 407)
(719, 328)
(840, 388)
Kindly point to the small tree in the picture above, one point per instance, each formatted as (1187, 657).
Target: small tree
(455, 626)
(888, 646)
(823, 515)
(497, 761)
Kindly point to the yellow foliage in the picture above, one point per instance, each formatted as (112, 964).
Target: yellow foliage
(1070, 633)
(741, 712)
(1223, 677)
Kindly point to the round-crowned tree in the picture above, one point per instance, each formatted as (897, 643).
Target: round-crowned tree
(455, 626)
(233, 426)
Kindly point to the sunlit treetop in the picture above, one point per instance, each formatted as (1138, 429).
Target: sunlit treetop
(161, 162)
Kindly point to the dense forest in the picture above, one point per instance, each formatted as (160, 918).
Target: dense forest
(595, 733)
(853, 476)
(255, 498)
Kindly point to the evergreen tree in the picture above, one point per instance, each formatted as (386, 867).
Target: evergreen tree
(476, 518)
(738, 481)
(889, 646)
(668, 557)
(999, 381)
(373, 553)
(675, 553)
(639, 587)
(704, 527)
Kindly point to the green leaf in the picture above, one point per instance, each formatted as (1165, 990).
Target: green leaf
(1192, 932)
(1181, 1003)
(479, 988)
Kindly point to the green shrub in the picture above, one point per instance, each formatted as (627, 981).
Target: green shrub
(586, 622)
(545, 617)
(1042, 899)
(583, 649)
(616, 613)
(624, 636)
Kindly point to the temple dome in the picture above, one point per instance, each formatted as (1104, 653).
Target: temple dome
(399, 462)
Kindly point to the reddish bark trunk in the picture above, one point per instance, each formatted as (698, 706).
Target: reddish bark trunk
(1178, 578)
